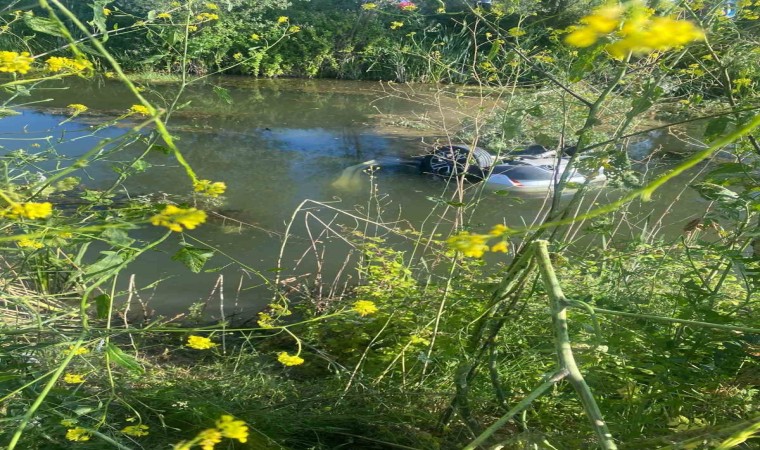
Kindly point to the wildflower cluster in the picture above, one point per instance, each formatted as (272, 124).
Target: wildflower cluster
(78, 434)
(77, 108)
(639, 33)
(77, 352)
(476, 245)
(289, 360)
(28, 210)
(396, 25)
(136, 430)
(61, 64)
(73, 378)
(207, 16)
(226, 427)
(407, 6)
(364, 307)
(29, 243)
(139, 109)
(14, 62)
(199, 342)
(175, 218)
(210, 188)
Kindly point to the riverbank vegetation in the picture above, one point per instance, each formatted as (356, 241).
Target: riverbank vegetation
(585, 327)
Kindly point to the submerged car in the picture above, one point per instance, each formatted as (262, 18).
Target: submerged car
(532, 168)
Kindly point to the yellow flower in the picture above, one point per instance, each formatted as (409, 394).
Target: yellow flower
(294, 29)
(68, 423)
(289, 360)
(78, 434)
(364, 307)
(163, 15)
(28, 210)
(14, 62)
(107, 12)
(282, 19)
(255, 37)
(500, 246)
(73, 378)
(472, 245)
(498, 230)
(110, 74)
(139, 109)
(212, 189)
(77, 108)
(175, 218)
(28, 243)
(582, 37)
(175, 4)
(192, 28)
(237, 56)
(62, 64)
(232, 429)
(604, 20)
(79, 351)
(204, 16)
(136, 430)
(209, 438)
(369, 6)
(441, 10)
(396, 25)
(211, 6)
(516, 32)
(199, 342)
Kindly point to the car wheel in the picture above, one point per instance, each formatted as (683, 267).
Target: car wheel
(451, 160)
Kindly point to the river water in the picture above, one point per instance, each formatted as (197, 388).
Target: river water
(277, 143)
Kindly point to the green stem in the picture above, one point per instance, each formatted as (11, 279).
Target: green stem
(523, 404)
(564, 350)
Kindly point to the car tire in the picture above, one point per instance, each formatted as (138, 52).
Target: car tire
(451, 160)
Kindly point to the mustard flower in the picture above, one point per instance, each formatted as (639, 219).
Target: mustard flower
(77, 108)
(79, 351)
(364, 307)
(68, 423)
(29, 210)
(204, 16)
(209, 438)
(232, 429)
(139, 109)
(255, 37)
(396, 25)
(78, 434)
(210, 188)
(294, 29)
(498, 230)
(282, 19)
(469, 244)
(516, 32)
(163, 15)
(63, 64)
(500, 246)
(289, 360)
(192, 28)
(107, 12)
(237, 56)
(199, 342)
(369, 6)
(28, 243)
(136, 430)
(174, 218)
(73, 378)
(14, 62)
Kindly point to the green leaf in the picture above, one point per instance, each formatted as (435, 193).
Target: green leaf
(43, 25)
(122, 359)
(223, 94)
(117, 237)
(103, 305)
(109, 261)
(716, 127)
(193, 258)
(5, 112)
(99, 17)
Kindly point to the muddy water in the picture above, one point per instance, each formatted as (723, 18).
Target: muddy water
(277, 144)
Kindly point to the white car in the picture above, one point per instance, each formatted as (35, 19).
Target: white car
(533, 168)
